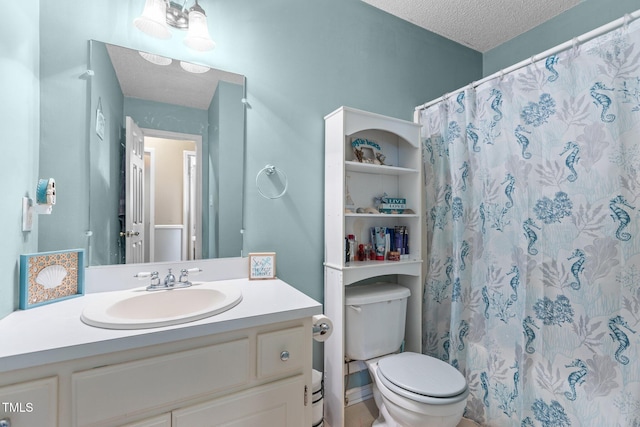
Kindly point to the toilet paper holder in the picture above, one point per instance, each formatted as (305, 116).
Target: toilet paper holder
(321, 328)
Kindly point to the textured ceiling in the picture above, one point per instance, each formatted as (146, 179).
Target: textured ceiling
(169, 84)
(478, 24)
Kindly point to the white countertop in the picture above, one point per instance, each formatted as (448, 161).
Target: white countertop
(54, 333)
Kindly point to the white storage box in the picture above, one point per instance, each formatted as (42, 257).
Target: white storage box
(375, 317)
(317, 386)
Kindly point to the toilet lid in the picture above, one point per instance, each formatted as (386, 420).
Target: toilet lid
(421, 374)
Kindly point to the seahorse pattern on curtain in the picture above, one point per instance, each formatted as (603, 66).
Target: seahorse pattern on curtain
(533, 270)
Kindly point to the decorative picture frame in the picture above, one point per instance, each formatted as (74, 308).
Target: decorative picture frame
(48, 277)
(367, 151)
(262, 265)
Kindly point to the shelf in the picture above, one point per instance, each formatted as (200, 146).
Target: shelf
(380, 264)
(346, 178)
(373, 264)
(360, 270)
(380, 215)
(378, 169)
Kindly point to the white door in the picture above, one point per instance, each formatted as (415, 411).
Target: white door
(134, 209)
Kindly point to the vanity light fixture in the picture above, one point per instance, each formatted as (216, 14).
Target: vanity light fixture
(158, 15)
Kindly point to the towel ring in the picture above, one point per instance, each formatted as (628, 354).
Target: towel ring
(270, 171)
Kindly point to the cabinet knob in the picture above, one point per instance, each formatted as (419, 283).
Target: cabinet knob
(284, 356)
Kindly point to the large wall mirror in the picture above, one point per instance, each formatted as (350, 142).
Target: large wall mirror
(167, 158)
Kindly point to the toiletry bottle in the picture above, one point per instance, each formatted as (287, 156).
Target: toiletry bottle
(352, 247)
(368, 255)
(398, 238)
(347, 251)
(380, 245)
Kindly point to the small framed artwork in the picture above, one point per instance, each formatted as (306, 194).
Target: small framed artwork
(262, 265)
(48, 277)
(367, 151)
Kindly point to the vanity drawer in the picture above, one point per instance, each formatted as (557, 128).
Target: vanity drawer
(126, 389)
(280, 351)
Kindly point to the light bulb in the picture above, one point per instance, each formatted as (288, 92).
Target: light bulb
(198, 37)
(153, 20)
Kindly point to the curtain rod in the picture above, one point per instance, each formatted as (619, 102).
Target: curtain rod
(625, 20)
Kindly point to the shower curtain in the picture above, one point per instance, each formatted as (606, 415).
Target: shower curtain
(532, 285)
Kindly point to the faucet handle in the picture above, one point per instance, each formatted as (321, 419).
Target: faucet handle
(143, 275)
(184, 274)
(155, 280)
(155, 277)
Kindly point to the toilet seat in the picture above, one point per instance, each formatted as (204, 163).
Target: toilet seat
(422, 378)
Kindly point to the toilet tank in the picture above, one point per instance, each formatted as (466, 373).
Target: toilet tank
(375, 317)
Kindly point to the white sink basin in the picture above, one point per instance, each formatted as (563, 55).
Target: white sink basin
(140, 309)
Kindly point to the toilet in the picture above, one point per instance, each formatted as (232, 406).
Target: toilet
(410, 389)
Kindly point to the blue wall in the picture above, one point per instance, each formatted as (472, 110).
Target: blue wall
(303, 59)
(20, 124)
(581, 19)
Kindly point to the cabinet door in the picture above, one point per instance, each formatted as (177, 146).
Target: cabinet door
(280, 403)
(32, 403)
(117, 392)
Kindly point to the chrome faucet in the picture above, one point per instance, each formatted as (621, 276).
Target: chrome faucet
(169, 280)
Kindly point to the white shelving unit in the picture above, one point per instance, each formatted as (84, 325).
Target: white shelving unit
(345, 177)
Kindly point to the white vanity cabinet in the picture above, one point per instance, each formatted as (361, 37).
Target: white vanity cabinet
(242, 377)
(352, 183)
(252, 362)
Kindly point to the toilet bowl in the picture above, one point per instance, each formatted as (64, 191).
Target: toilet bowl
(410, 389)
(415, 390)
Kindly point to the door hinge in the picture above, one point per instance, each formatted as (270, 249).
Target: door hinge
(306, 395)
